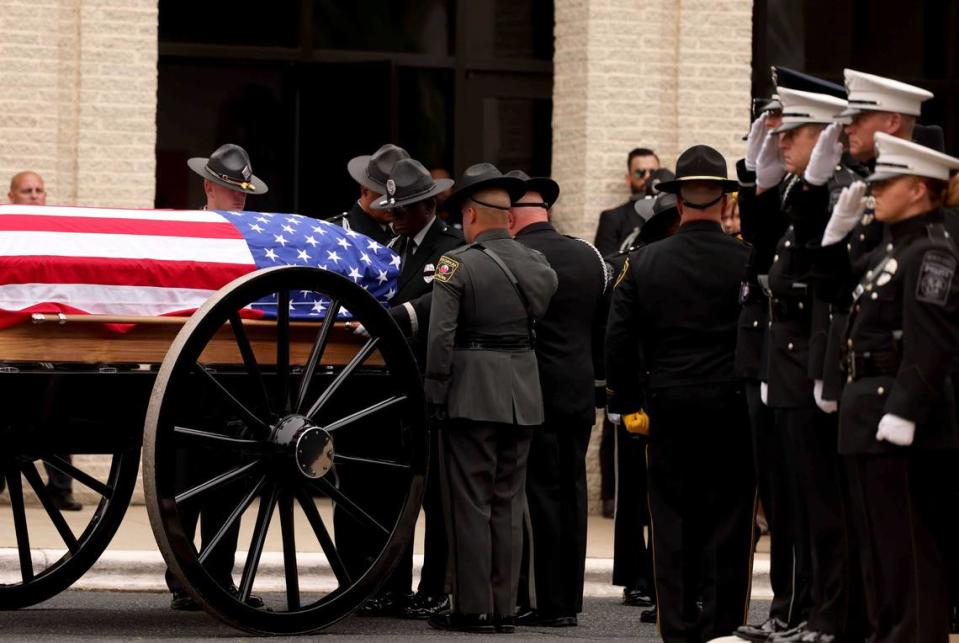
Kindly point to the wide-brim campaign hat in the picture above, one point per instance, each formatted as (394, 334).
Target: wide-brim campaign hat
(230, 167)
(651, 207)
(699, 163)
(372, 170)
(410, 183)
(483, 176)
(899, 157)
(541, 185)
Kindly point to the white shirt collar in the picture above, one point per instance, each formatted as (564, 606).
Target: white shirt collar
(418, 238)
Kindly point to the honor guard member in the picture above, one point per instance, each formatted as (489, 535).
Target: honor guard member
(482, 374)
(810, 152)
(897, 423)
(669, 350)
(371, 173)
(632, 551)
(228, 180)
(423, 238)
(556, 475)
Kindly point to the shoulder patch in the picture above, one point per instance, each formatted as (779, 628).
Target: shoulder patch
(935, 277)
(445, 268)
(622, 273)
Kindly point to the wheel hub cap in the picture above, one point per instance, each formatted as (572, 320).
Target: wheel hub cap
(310, 446)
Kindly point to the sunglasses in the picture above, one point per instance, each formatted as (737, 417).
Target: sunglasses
(641, 173)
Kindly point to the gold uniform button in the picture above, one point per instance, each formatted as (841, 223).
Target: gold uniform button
(755, 324)
(801, 305)
(889, 247)
(862, 237)
(874, 295)
(789, 346)
(849, 343)
(775, 258)
(788, 243)
(881, 390)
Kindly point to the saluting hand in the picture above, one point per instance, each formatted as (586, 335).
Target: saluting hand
(770, 168)
(825, 156)
(845, 214)
(754, 142)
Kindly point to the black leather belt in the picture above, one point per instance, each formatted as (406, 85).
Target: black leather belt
(871, 364)
(493, 343)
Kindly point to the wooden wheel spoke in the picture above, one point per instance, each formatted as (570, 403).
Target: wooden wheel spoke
(316, 353)
(289, 552)
(339, 458)
(323, 536)
(362, 413)
(263, 517)
(56, 517)
(246, 413)
(283, 348)
(20, 524)
(217, 482)
(342, 376)
(238, 511)
(219, 440)
(350, 507)
(85, 479)
(249, 360)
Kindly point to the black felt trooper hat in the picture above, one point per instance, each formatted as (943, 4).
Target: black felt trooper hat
(541, 185)
(696, 164)
(372, 170)
(483, 176)
(230, 167)
(410, 182)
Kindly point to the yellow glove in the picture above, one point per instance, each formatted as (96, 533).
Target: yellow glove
(637, 422)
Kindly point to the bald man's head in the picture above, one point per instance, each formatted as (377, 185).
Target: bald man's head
(485, 210)
(26, 188)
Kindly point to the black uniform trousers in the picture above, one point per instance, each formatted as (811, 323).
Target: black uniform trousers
(632, 554)
(558, 507)
(775, 480)
(823, 502)
(901, 503)
(483, 466)
(702, 498)
(607, 460)
(211, 509)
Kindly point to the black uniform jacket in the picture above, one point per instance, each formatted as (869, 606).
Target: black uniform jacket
(615, 225)
(564, 336)
(678, 299)
(357, 219)
(905, 310)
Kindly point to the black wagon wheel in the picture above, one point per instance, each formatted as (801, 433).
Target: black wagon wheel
(252, 418)
(40, 570)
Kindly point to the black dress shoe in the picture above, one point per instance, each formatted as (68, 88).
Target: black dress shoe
(183, 602)
(649, 616)
(504, 624)
(252, 601)
(534, 618)
(453, 622)
(389, 603)
(637, 597)
(761, 633)
(792, 635)
(422, 606)
(64, 501)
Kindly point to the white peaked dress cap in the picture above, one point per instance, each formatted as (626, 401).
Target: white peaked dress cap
(802, 108)
(899, 157)
(868, 92)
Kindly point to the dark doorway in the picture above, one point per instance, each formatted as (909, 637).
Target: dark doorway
(309, 84)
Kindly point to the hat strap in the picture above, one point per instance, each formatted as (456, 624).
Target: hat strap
(245, 185)
(704, 206)
(490, 205)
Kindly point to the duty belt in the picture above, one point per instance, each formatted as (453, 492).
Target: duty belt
(493, 343)
(871, 364)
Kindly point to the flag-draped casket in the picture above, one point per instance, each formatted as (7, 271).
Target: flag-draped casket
(168, 262)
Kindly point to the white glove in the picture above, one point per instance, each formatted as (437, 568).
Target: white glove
(770, 168)
(754, 142)
(895, 429)
(615, 418)
(826, 406)
(825, 156)
(358, 329)
(845, 214)
(764, 393)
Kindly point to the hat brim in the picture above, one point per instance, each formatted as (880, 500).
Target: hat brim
(786, 127)
(875, 177)
(439, 185)
(198, 164)
(357, 170)
(515, 187)
(672, 187)
(546, 188)
(850, 112)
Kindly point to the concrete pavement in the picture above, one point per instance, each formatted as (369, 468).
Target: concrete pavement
(133, 562)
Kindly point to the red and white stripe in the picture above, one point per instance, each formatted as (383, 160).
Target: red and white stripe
(111, 261)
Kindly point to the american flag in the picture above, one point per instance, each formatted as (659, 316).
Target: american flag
(168, 262)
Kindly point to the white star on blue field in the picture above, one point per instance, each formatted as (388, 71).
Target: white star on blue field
(294, 240)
